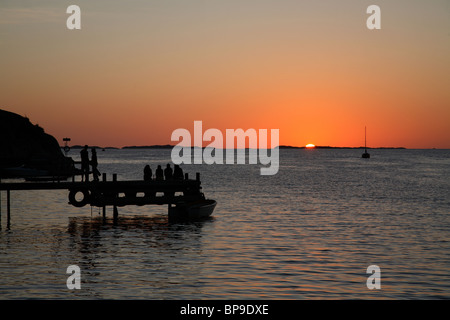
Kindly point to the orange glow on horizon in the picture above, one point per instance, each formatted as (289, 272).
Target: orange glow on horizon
(301, 68)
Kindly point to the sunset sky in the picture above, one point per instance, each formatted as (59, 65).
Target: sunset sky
(139, 69)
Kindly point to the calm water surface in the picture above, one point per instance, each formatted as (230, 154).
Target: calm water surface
(309, 232)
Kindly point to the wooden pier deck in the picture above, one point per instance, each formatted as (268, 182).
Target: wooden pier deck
(117, 193)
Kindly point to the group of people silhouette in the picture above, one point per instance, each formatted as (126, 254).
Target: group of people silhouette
(167, 174)
(85, 163)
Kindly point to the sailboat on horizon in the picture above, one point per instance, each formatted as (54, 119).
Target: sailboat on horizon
(365, 155)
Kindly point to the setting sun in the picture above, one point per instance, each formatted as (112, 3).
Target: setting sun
(310, 145)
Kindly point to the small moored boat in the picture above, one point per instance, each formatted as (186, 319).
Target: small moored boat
(365, 155)
(197, 210)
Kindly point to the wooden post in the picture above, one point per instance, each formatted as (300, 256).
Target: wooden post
(8, 206)
(197, 176)
(186, 176)
(104, 207)
(114, 177)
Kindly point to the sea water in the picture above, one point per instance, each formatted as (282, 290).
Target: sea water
(308, 232)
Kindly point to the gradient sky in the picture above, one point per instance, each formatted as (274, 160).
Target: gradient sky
(139, 69)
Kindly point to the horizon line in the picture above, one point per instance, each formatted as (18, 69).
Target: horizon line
(167, 146)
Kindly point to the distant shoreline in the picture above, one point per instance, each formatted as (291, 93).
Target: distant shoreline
(168, 146)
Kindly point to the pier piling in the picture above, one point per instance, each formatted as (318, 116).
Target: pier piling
(115, 212)
(8, 207)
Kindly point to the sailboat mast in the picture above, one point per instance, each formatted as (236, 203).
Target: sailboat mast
(365, 154)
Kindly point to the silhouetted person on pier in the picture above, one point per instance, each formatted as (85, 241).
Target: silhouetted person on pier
(84, 164)
(178, 173)
(148, 177)
(94, 164)
(159, 173)
(168, 173)
(147, 173)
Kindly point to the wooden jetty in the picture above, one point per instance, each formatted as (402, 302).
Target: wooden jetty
(120, 193)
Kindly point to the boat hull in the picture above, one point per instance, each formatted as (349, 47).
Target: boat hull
(193, 211)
